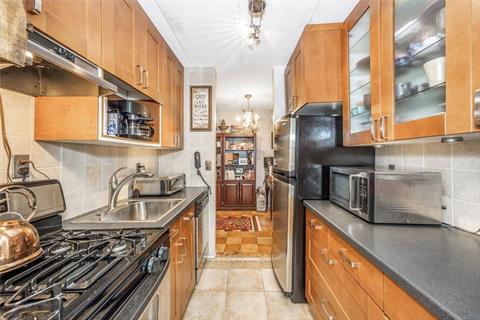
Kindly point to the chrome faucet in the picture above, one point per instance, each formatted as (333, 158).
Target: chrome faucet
(114, 187)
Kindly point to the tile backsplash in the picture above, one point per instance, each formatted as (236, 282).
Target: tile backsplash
(83, 170)
(459, 165)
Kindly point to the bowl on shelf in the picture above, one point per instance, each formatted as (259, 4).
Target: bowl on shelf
(435, 71)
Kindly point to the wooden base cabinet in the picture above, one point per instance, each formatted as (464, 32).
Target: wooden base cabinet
(183, 262)
(341, 284)
(237, 195)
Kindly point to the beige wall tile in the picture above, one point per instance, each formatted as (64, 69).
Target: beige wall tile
(437, 155)
(466, 155)
(466, 215)
(413, 156)
(466, 186)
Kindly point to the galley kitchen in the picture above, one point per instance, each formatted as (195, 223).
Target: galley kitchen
(241, 159)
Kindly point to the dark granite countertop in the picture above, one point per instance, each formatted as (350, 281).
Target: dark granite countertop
(189, 195)
(438, 266)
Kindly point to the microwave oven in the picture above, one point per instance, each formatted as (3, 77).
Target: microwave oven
(383, 196)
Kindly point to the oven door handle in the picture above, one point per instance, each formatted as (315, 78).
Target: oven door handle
(352, 191)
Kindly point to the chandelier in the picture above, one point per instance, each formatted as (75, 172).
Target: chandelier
(256, 9)
(249, 122)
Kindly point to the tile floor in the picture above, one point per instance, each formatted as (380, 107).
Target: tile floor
(250, 243)
(241, 288)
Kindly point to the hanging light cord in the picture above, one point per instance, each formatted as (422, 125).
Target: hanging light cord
(6, 145)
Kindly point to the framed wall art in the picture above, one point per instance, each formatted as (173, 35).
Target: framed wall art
(200, 108)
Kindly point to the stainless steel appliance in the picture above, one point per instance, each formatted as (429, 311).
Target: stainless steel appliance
(159, 186)
(305, 146)
(201, 235)
(129, 119)
(57, 69)
(396, 197)
(85, 274)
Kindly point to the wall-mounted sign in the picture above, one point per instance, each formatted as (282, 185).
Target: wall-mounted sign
(200, 108)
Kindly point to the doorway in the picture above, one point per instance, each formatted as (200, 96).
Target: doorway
(241, 230)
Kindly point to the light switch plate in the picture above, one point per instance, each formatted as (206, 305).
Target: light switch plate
(208, 165)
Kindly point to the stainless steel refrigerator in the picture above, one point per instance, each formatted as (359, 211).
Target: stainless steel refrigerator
(305, 147)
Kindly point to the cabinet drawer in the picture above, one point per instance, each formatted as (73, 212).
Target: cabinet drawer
(321, 299)
(367, 275)
(399, 305)
(353, 299)
(319, 232)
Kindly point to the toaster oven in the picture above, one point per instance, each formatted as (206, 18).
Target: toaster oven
(383, 196)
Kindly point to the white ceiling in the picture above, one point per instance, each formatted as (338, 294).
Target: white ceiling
(214, 33)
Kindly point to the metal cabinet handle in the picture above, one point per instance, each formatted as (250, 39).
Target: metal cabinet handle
(173, 235)
(323, 303)
(140, 72)
(315, 225)
(324, 253)
(352, 264)
(373, 131)
(383, 129)
(146, 78)
(179, 243)
(476, 108)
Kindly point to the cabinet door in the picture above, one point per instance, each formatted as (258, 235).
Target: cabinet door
(247, 194)
(475, 49)
(168, 134)
(418, 88)
(152, 76)
(230, 194)
(178, 106)
(218, 195)
(176, 250)
(73, 23)
(188, 266)
(118, 18)
(361, 92)
(299, 67)
(290, 88)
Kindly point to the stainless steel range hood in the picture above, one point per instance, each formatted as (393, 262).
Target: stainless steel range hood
(54, 70)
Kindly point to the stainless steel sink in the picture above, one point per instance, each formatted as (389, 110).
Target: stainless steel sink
(141, 211)
(153, 213)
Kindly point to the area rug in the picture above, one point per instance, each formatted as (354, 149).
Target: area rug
(237, 223)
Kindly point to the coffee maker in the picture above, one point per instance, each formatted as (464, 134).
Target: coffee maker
(129, 119)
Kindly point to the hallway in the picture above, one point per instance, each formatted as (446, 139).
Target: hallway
(241, 288)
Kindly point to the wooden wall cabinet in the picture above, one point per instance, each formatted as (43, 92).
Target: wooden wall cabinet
(182, 234)
(133, 51)
(314, 74)
(74, 23)
(172, 121)
(82, 119)
(340, 283)
(423, 71)
(361, 90)
(118, 39)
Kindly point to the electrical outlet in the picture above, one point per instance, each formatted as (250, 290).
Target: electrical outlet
(20, 170)
(208, 165)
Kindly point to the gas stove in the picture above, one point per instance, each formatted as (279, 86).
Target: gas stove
(84, 274)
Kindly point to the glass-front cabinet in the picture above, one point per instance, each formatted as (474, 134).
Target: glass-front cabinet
(419, 82)
(361, 97)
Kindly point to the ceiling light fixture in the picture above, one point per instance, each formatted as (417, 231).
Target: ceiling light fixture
(256, 9)
(249, 123)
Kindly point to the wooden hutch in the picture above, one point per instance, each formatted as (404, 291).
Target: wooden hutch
(235, 165)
